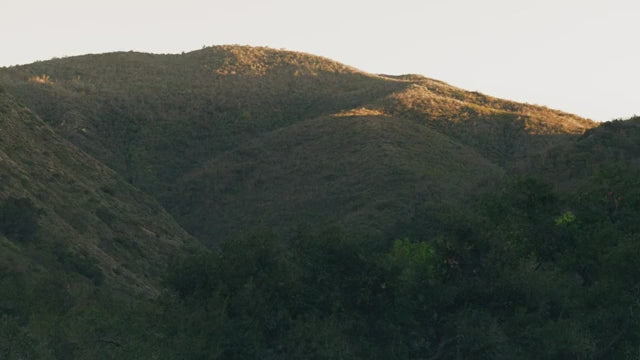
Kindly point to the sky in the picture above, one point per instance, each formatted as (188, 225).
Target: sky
(578, 56)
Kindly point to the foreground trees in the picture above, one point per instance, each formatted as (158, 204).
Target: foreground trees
(521, 274)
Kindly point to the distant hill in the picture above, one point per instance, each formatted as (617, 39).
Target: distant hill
(612, 144)
(61, 211)
(230, 136)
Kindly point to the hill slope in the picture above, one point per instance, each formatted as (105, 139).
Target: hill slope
(366, 170)
(88, 221)
(601, 149)
(179, 124)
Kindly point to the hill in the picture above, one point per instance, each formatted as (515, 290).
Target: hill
(612, 144)
(357, 168)
(477, 259)
(188, 129)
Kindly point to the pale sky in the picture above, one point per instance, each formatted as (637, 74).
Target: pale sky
(580, 56)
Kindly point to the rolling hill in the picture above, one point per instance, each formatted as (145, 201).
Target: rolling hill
(230, 136)
(613, 143)
(365, 170)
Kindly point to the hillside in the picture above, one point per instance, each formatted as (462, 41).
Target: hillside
(370, 169)
(613, 144)
(189, 128)
(79, 216)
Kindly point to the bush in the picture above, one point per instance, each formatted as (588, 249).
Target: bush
(81, 264)
(19, 219)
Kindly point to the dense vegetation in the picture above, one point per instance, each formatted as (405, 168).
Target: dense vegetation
(523, 273)
(18, 219)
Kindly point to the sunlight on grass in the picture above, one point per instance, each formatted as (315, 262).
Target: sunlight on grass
(41, 79)
(362, 111)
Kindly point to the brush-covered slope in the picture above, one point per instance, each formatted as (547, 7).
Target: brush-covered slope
(503, 131)
(197, 130)
(61, 211)
(611, 145)
(359, 168)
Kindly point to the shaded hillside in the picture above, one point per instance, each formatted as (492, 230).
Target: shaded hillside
(184, 124)
(610, 146)
(63, 211)
(358, 168)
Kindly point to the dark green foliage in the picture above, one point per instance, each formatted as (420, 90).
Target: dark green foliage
(15, 342)
(525, 274)
(19, 219)
(265, 298)
(81, 264)
(52, 317)
(105, 215)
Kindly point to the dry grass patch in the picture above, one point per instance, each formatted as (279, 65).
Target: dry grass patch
(41, 79)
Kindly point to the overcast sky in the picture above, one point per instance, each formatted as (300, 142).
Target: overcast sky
(579, 56)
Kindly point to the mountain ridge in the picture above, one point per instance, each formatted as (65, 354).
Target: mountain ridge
(155, 118)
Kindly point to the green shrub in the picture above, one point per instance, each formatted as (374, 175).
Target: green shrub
(19, 219)
(81, 264)
(106, 215)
